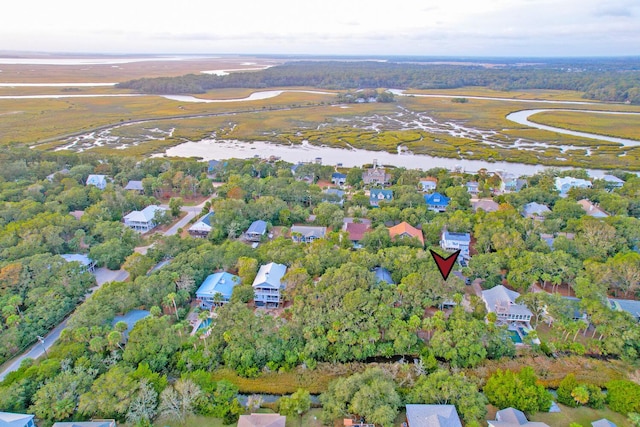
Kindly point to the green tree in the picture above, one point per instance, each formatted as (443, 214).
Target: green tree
(507, 389)
(565, 388)
(137, 265)
(175, 204)
(371, 394)
(110, 394)
(295, 405)
(445, 388)
(623, 396)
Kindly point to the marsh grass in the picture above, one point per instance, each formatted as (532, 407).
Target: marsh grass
(601, 124)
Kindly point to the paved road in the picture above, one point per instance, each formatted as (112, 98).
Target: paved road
(191, 211)
(103, 275)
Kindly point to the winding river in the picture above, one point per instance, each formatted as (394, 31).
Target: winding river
(521, 117)
(215, 149)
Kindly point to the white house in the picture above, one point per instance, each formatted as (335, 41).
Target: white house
(143, 220)
(428, 185)
(84, 260)
(502, 302)
(268, 284)
(9, 419)
(99, 181)
(563, 185)
(456, 241)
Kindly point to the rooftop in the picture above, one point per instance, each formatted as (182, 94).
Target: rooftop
(406, 228)
(356, 230)
(134, 185)
(270, 275)
(501, 296)
(258, 227)
(221, 282)
(432, 416)
(145, 215)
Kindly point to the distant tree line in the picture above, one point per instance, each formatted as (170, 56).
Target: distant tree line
(606, 80)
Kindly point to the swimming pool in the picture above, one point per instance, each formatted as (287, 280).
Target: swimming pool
(204, 324)
(515, 337)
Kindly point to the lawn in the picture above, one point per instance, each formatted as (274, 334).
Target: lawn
(583, 416)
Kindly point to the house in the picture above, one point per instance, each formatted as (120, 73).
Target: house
(432, 416)
(96, 423)
(603, 423)
(563, 185)
(550, 238)
(10, 419)
(52, 176)
(334, 196)
(428, 184)
(376, 196)
(77, 214)
(456, 241)
(436, 202)
(356, 232)
(502, 302)
(508, 182)
(143, 220)
(338, 178)
(512, 417)
(630, 306)
(84, 260)
(487, 205)
(135, 186)
(376, 176)
(262, 420)
(268, 284)
(592, 209)
(99, 181)
(221, 283)
(383, 275)
(307, 234)
(473, 187)
(534, 210)
(202, 228)
(256, 230)
(404, 230)
(212, 166)
(612, 182)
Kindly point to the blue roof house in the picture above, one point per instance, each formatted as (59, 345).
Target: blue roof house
(436, 202)
(338, 178)
(376, 196)
(218, 283)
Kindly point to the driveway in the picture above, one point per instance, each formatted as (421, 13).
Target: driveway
(191, 211)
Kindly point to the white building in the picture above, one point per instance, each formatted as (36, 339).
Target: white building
(268, 284)
(502, 302)
(99, 181)
(456, 241)
(143, 220)
(563, 185)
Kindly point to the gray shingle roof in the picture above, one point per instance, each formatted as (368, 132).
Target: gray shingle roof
(433, 416)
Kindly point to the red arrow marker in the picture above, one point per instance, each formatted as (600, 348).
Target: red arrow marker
(445, 264)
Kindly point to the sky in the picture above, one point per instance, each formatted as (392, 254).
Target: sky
(328, 27)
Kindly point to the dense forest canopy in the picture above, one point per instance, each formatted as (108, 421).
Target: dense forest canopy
(614, 80)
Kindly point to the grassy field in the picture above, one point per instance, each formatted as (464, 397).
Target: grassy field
(293, 117)
(543, 94)
(583, 416)
(601, 124)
